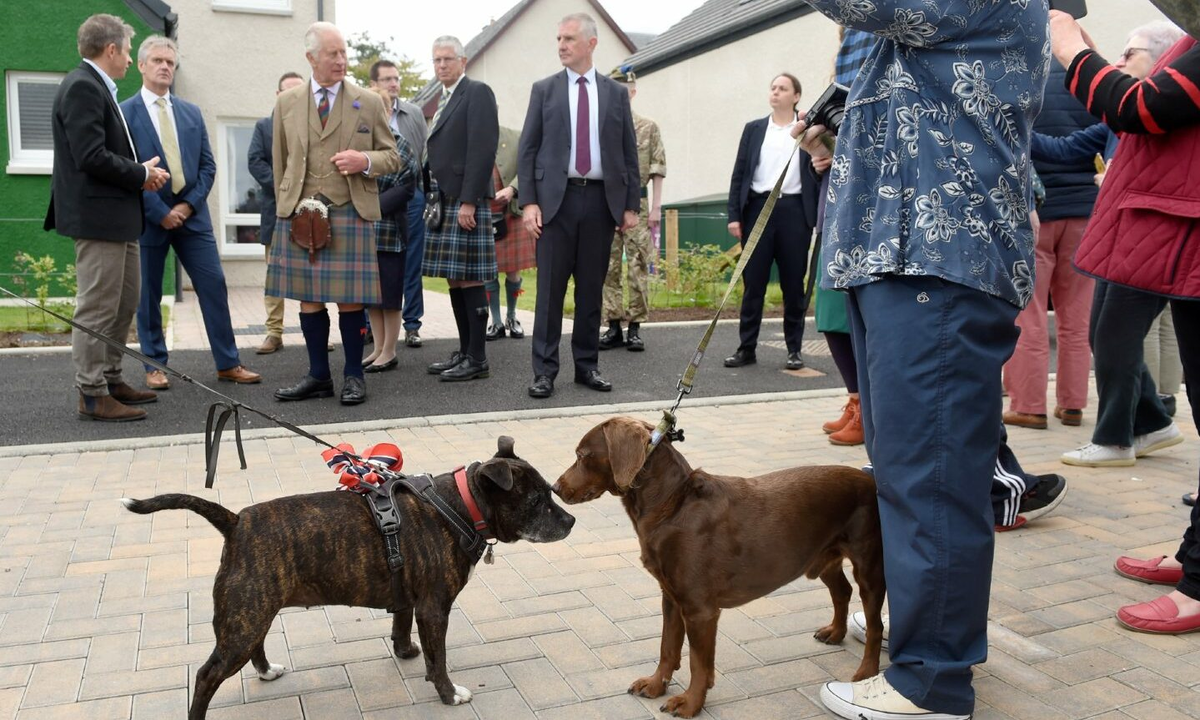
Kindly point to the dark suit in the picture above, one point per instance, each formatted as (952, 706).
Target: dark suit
(462, 146)
(96, 199)
(577, 221)
(258, 157)
(785, 240)
(193, 241)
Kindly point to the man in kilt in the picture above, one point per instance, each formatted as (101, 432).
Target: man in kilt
(516, 247)
(459, 246)
(331, 141)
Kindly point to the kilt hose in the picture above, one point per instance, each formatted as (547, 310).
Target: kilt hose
(347, 271)
(457, 254)
(518, 250)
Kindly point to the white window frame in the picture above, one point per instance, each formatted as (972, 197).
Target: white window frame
(261, 7)
(20, 160)
(228, 218)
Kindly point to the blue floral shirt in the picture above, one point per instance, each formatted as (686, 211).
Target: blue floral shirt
(931, 175)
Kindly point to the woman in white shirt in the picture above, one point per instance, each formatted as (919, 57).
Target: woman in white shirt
(766, 147)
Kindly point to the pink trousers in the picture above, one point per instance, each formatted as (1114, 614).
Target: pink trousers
(1026, 374)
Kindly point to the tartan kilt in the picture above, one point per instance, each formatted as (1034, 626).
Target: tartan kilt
(347, 271)
(518, 250)
(456, 254)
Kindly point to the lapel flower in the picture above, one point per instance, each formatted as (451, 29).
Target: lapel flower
(355, 105)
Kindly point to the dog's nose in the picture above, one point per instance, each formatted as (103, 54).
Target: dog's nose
(557, 488)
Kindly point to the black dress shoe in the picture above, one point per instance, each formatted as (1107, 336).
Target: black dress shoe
(633, 340)
(515, 331)
(468, 369)
(354, 390)
(741, 358)
(542, 387)
(794, 361)
(438, 368)
(494, 332)
(389, 365)
(611, 338)
(309, 387)
(592, 379)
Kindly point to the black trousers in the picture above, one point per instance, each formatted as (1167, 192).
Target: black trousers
(785, 241)
(575, 243)
(1187, 328)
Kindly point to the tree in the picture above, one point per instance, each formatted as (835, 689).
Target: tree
(364, 51)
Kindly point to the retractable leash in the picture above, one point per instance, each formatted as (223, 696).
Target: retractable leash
(666, 426)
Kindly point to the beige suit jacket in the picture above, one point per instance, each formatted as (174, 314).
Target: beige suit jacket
(354, 109)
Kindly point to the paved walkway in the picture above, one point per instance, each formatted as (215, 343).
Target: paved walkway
(107, 614)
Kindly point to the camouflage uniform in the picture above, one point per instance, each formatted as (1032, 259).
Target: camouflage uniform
(636, 244)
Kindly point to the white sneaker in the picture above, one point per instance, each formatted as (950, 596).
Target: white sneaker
(1093, 455)
(1143, 445)
(858, 628)
(875, 699)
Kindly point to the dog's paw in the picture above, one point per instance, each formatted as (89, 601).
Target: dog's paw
(407, 653)
(461, 695)
(272, 673)
(830, 635)
(680, 706)
(648, 687)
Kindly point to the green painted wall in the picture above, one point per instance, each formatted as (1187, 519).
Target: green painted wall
(40, 36)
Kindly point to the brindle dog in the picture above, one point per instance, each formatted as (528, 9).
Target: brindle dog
(716, 542)
(325, 549)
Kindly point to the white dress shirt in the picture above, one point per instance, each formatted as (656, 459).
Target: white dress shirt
(778, 145)
(597, 172)
(151, 101)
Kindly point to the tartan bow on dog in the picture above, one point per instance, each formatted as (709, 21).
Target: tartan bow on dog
(352, 476)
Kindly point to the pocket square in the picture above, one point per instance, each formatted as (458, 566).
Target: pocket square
(363, 129)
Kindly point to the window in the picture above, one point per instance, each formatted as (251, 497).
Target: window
(239, 191)
(30, 104)
(266, 7)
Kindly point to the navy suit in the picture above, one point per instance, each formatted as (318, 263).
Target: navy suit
(193, 241)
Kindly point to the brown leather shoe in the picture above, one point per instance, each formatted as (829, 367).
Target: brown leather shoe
(105, 408)
(157, 380)
(852, 433)
(240, 375)
(847, 412)
(1073, 418)
(1025, 420)
(127, 395)
(270, 344)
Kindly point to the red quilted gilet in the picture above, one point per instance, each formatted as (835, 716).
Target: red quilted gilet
(1145, 231)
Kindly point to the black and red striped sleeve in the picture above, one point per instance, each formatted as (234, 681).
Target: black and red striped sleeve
(1167, 100)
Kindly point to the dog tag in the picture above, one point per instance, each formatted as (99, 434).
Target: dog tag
(487, 556)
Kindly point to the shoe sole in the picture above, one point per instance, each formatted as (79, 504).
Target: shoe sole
(1141, 579)
(635, 348)
(738, 365)
(354, 402)
(849, 710)
(1148, 631)
(1160, 445)
(1043, 511)
(1044, 425)
(85, 416)
(589, 387)
(477, 376)
(1122, 462)
(240, 382)
(844, 443)
(540, 396)
(310, 396)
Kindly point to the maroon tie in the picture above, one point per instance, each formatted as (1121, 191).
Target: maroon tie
(583, 133)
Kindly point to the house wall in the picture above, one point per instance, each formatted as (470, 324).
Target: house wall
(701, 104)
(43, 40)
(526, 51)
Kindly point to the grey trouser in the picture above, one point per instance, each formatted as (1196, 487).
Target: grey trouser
(109, 277)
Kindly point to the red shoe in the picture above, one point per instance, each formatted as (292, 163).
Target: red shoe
(1159, 616)
(1148, 571)
(1019, 523)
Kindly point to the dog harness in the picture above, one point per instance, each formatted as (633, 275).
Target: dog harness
(378, 479)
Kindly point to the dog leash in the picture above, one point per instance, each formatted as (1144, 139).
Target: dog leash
(666, 428)
(219, 413)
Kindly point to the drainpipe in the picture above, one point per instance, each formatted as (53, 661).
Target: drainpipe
(320, 10)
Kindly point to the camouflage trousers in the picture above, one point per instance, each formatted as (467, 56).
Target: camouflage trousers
(638, 247)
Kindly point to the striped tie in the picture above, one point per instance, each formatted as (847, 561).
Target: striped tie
(323, 107)
(441, 106)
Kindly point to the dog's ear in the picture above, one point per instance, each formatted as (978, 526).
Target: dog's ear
(504, 447)
(499, 471)
(627, 441)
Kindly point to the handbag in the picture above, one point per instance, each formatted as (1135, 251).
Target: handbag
(310, 227)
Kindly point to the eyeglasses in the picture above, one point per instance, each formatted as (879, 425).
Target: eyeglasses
(443, 61)
(1130, 52)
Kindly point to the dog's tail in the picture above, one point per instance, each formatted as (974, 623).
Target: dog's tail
(222, 519)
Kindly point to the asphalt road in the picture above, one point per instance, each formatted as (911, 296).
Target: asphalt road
(41, 403)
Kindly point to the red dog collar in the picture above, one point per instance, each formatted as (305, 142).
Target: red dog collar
(464, 491)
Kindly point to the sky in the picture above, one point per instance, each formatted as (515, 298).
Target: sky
(414, 30)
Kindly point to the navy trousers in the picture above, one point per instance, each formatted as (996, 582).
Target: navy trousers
(929, 359)
(198, 253)
(414, 298)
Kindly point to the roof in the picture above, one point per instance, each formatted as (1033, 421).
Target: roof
(641, 40)
(155, 13)
(486, 37)
(710, 26)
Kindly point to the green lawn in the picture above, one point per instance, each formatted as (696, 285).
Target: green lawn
(27, 319)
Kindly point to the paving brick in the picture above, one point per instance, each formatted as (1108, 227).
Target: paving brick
(340, 653)
(163, 704)
(592, 627)
(131, 683)
(298, 682)
(1084, 666)
(540, 684)
(432, 710)
(330, 705)
(25, 626)
(568, 653)
(112, 653)
(77, 604)
(1014, 702)
(546, 603)
(621, 707)
(90, 628)
(761, 680)
(106, 709)
(54, 683)
(502, 705)
(477, 680)
(281, 709)
(191, 653)
(43, 652)
(377, 685)
(616, 604)
(777, 706)
(305, 628)
(493, 653)
(520, 627)
(604, 682)
(1093, 698)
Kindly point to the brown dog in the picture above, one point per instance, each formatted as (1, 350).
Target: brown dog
(719, 542)
(325, 549)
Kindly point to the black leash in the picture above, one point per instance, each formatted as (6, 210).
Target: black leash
(219, 413)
